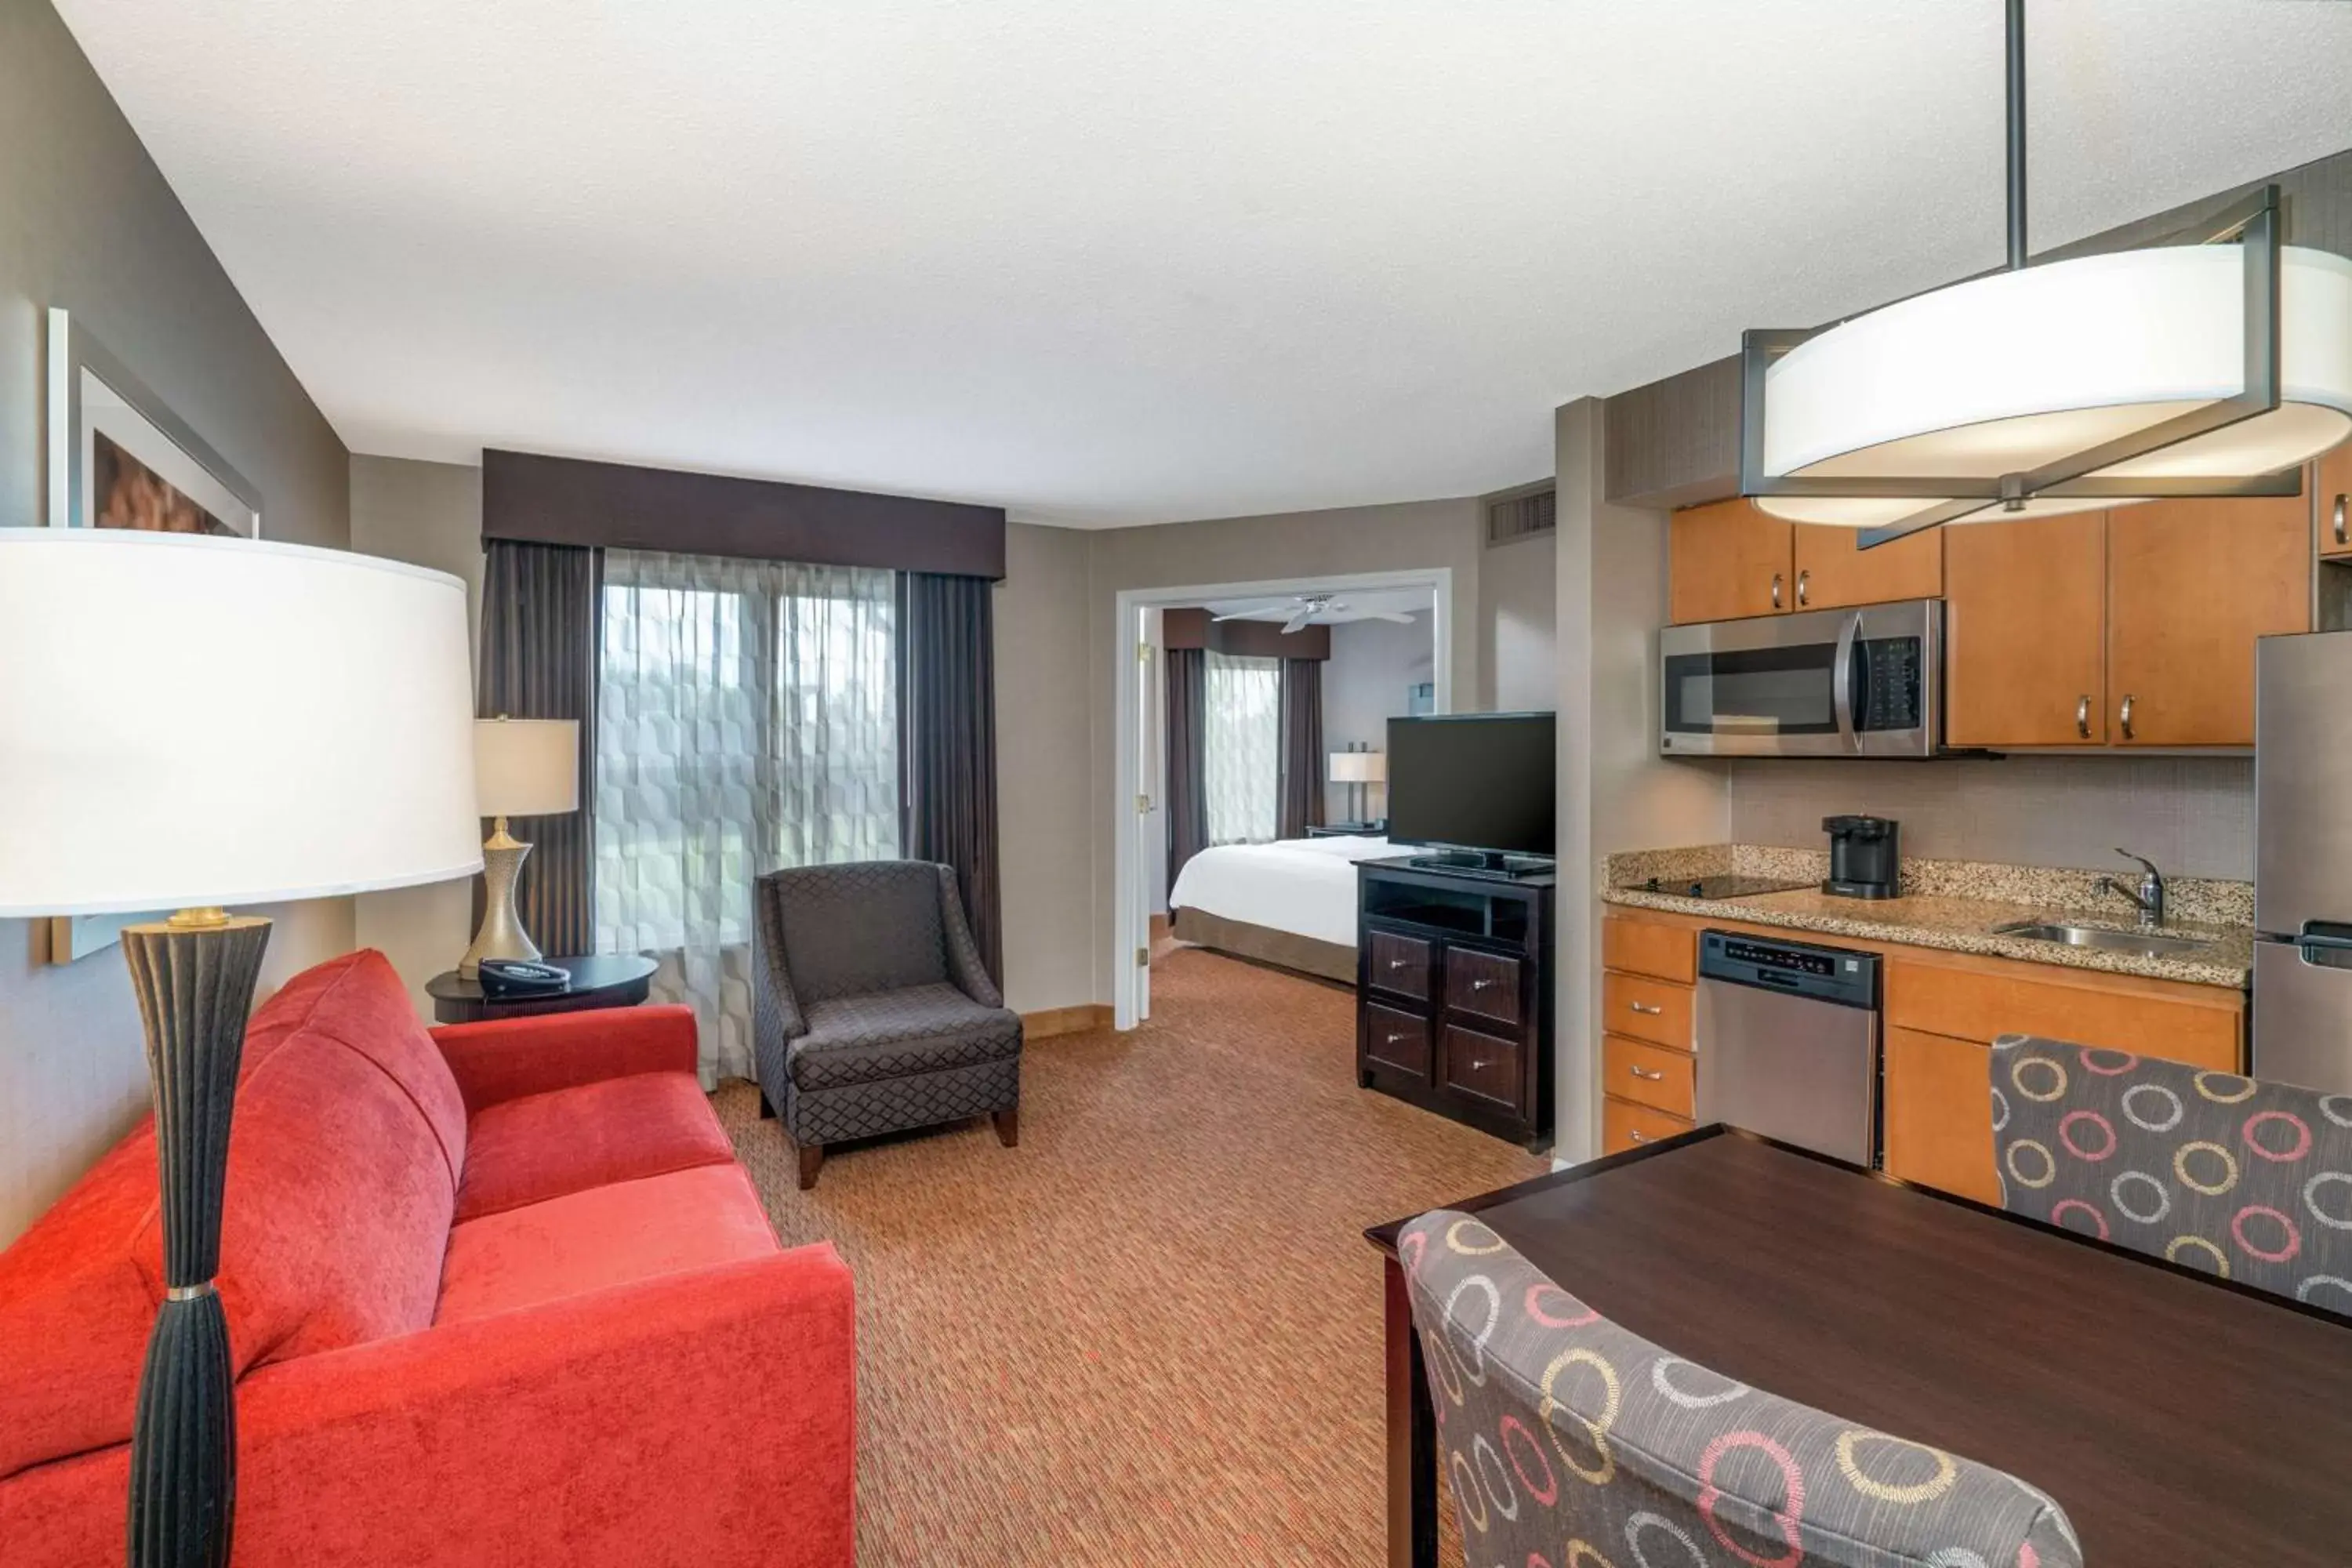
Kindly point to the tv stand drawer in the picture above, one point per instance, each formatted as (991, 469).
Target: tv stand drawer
(1398, 963)
(1395, 1039)
(1485, 983)
(1486, 1067)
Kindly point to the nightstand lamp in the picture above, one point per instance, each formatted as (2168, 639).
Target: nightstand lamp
(522, 767)
(1359, 770)
(188, 722)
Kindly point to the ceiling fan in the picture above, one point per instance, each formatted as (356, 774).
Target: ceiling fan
(1307, 609)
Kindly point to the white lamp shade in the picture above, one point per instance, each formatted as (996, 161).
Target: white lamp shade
(2006, 372)
(1359, 767)
(188, 722)
(526, 767)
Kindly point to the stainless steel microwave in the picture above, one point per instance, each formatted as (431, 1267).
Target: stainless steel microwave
(1864, 683)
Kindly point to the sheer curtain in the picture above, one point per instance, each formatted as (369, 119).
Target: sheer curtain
(1241, 756)
(747, 721)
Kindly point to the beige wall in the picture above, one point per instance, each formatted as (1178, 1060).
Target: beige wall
(1518, 617)
(428, 514)
(1373, 667)
(1044, 753)
(87, 221)
(1615, 792)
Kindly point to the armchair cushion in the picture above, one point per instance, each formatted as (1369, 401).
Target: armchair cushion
(566, 1141)
(898, 1034)
(603, 1238)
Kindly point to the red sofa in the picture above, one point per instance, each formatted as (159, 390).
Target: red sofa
(496, 1294)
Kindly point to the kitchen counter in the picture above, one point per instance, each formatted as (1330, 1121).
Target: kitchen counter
(1952, 906)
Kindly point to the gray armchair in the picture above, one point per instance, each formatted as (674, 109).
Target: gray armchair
(872, 1011)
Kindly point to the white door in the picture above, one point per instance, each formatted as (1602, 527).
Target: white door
(1151, 777)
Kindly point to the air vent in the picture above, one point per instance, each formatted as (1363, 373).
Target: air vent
(1521, 514)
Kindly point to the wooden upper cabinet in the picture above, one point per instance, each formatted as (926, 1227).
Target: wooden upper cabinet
(2334, 491)
(1728, 559)
(1832, 574)
(2024, 644)
(2190, 585)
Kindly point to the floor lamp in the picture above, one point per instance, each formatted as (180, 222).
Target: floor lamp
(188, 722)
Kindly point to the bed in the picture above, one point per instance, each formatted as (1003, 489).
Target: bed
(1291, 902)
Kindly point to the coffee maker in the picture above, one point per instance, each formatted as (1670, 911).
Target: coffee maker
(1865, 862)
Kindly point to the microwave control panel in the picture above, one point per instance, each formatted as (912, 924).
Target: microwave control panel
(1892, 684)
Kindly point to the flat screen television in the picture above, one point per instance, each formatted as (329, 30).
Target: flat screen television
(1473, 781)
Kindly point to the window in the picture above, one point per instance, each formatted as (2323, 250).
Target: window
(747, 721)
(1241, 763)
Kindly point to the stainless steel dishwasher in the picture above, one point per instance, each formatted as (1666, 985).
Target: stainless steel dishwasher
(1788, 1042)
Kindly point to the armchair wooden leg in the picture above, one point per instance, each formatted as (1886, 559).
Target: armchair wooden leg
(1008, 1127)
(811, 1161)
(767, 1110)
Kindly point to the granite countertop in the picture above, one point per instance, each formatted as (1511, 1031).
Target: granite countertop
(1954, 906)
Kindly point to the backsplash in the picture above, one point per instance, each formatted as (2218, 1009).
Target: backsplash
(2194, 816)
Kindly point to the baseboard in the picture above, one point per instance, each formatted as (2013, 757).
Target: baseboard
(1075, 1020)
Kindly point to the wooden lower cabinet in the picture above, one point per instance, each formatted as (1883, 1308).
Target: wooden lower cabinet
(1646, 1009)
(1625, 1125)
(1650, 1075)
(1938, 1109)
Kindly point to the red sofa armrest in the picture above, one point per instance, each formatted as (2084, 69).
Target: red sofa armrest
(705, 1419)
(507, 1059)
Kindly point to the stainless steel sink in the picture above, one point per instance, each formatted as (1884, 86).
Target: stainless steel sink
(2146, 944)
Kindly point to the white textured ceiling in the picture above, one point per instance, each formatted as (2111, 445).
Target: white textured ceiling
(1108, 261)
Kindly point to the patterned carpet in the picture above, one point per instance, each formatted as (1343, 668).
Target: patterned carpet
(1151, 1333)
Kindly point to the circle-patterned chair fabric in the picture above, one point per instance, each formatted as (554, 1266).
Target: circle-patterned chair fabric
(1568, 1442)
(2227, 1175)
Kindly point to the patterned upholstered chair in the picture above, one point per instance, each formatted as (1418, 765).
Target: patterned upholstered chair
(1568, 1441)
(2250, 1181)
(872, 1011)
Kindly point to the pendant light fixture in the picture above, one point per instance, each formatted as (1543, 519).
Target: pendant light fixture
(2212, 367)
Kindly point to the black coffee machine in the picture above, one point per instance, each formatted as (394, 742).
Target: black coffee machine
(1865, 862)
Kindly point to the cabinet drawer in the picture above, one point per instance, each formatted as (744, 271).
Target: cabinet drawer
(1648, 947)
(1397, 963)
(1646, 1009)
(1664, 1079)
(1939, 1104)
(1486, 983)
(1483, 1066)
(1396, 1040)
(1981, 1006)
(1625, 1125)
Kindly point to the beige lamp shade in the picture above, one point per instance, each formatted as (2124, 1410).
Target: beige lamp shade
(188, 720)
(1359, 767)
(526, 767)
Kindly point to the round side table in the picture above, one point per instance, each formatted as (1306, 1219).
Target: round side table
(600, 980)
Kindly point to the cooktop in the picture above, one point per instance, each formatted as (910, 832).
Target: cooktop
(1722, 887)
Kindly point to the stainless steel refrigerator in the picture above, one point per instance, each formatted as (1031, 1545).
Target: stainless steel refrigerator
(2302, 860)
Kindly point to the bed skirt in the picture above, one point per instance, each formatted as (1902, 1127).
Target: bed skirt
(1283, 949)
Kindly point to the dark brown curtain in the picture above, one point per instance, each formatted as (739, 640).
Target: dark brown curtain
(1301, 763)
(1188, 729)
(540, 620)
(947, 741)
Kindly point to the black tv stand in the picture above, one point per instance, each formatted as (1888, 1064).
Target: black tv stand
(1482, 863)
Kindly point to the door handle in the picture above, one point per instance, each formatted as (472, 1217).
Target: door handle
(1646, 1007)
(2125, 713)
(2341, 538)
(1804, 588)
(1776, 590)
(1841, 679)
(1650, 1075)
(2082, 717)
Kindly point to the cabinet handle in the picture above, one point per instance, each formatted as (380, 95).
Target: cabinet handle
(1652, 1076)
(1477, 1064)
(1804, 587)
(2083, 715)
(2341, 538)
(1395, 1039)
(1397, 963)
(2125, 713)
(1645, 1007)
(1776, 590)
(1482, 985)
(1638, 1137)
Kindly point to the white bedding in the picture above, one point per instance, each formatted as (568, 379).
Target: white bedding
(1307, 886)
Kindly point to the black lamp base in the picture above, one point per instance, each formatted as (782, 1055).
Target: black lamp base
(195, 977)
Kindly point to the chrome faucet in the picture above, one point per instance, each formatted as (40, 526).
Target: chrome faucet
(2149, 899)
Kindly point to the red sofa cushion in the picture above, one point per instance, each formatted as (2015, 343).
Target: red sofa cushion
(608, 1236)
(544, 1146)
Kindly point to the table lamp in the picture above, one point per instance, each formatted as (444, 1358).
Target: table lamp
(186, 723)
(522, 767)
(1356, 769)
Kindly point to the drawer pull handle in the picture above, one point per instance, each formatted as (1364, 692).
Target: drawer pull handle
(1396, 1040)
(1482, 985)
(1638, 1137)
(1647, 1073)
(1645, 1007)
(1477, 1064)
(1397, 963)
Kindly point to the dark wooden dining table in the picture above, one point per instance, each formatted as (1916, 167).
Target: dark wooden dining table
(2179, 1419)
